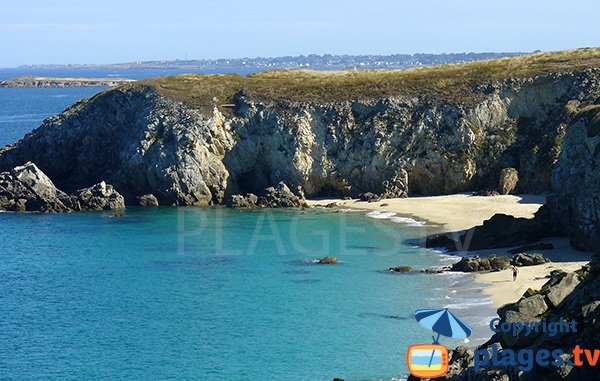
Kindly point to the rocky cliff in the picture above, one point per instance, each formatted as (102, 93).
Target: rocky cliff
(196, 140)
(575, 200)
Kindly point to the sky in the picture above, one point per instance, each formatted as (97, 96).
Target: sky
(111, 31)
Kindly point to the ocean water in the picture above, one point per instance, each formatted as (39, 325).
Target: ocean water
(211, 293)
(22, 110)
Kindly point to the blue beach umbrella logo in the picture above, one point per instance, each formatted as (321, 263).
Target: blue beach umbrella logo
(431, 360)
(443, 322)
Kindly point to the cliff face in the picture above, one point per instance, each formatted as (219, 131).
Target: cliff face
(145, 142)
(575, 200)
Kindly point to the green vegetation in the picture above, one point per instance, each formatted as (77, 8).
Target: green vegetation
(453, 82)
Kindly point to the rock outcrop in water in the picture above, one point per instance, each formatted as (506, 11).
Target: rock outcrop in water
(152, 138)
(279, 196)
(27, 188)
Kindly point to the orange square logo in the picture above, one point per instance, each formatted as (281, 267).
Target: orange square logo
(427, 360)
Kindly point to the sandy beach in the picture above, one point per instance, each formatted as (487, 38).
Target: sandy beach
(462, 211)
(452, 212)
(501, 288)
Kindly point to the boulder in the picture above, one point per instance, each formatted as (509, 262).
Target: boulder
(486, 193)
(528, 259)
(590, 309)
(27, 188)
(148, 200)
(525, 310)
(436, 269)
(508, 180)
(558, 292)
(369, 197)
(396, 187)
(280, 196)
(440, 241)
(328, 261)
(98, 197)
(250, 200)
(499, 231)
(472, 264)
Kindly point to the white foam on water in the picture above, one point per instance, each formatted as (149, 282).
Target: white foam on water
(380, 215)
(394, 218)
(407, 221)
(469, 303)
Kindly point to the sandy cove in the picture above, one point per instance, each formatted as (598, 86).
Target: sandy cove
(462, 211)
(453, 212)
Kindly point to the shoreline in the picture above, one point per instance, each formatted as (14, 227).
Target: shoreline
(452, 212)
(462, 211)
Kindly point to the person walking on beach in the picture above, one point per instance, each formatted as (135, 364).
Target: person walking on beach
(515, 272)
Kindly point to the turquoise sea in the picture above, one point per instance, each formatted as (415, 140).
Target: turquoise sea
(211, 293)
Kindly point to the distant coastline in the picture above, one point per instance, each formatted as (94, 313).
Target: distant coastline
(313, 61)
(46, 82)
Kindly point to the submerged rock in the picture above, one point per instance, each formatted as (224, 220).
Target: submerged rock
(328, 261)
(400, 269)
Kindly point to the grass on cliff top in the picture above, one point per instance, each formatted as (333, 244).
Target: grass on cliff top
(452, 82)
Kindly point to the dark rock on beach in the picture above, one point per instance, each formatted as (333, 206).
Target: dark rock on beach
(499, 231)
(472, 264)
(528, 259)
(369, 197)
(486, 193)
(508, 180)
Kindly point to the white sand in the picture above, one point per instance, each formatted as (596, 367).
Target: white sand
(460, 212)
(453, 212)
(501, 288)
